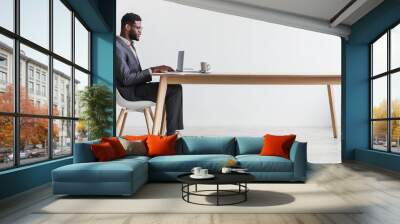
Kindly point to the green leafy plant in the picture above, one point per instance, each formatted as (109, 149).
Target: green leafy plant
(96, 102)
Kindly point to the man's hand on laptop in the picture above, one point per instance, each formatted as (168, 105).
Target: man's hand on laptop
(161, 69)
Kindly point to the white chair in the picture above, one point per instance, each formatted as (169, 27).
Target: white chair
(135, 106)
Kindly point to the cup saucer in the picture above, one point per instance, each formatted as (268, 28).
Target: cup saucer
(208, 176)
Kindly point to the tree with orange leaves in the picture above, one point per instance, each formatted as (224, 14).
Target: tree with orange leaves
(33, 130)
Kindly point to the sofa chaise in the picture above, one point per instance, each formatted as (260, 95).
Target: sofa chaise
(125, 176)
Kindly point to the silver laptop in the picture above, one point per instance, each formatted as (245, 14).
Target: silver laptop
(179, 67)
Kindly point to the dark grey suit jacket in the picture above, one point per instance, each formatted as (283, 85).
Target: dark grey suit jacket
(129, 73)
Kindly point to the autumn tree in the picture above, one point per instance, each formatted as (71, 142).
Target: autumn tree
(33, 131)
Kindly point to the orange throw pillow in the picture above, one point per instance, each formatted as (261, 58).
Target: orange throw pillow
(116, 145)
(135, 137)
(277, 145)
(103, 152)
(161, 145)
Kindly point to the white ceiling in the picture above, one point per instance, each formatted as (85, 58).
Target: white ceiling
(315, 15)
(320, 9)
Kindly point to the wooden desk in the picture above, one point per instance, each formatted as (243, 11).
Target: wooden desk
(241, 79)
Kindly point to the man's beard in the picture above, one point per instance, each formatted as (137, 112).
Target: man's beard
(132, 36)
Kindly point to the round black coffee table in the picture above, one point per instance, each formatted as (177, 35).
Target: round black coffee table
(238, 179)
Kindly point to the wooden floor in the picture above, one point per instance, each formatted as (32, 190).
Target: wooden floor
(378, 189)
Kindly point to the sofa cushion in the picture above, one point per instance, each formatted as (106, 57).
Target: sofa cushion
(257, 163)
(277, 145)
(185, 163)
(248, 145)
(134, 147)
(116, 145)
(83, 152)
(103, 152)
(197, 145)
(112, 171)
(161, 145)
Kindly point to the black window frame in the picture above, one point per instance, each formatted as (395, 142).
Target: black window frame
(16, 115)
(388, 74)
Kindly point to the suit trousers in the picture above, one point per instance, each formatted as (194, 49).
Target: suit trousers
(173, 102)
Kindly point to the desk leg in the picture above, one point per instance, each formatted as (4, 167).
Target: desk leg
(332, 109)
(162, 90)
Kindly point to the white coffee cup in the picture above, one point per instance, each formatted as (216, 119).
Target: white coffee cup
(203, 172)
(226, 170)
(204, 67)
(196, 171)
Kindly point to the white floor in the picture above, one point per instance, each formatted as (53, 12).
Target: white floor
(322, 147)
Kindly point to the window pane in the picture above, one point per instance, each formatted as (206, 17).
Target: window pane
(62, 89)
(34, 97)
(62, 29)
(379, 55)
(6, 75)
(379, 135)
(62, 141)
(7, 14)
(35, 21)
(81, 45)
(379, 97)
(81, 131)
(395, 47)
(81, 81)
(395, 136)
(395, 95)
(33, 140)
(6, 142)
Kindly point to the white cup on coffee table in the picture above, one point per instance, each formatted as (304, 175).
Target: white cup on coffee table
(203, 172)
(226, 170)
(196, 171)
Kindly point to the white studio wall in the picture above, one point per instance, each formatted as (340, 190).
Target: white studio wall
(237, 45)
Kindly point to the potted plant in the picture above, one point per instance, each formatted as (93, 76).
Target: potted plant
(96, 103)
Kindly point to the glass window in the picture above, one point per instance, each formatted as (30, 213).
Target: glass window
(81, 131)
(379, 135)
(81, 81)
(34, 80)
(6, 142)
(395, 95)
(379, 97)
(62, 137)
(30, 87)
(62, 29)
(33, 140)
(7, 75)
(383, 137)
(30, 72)
(7, 14)
(3, 60)
(81, 45)
(395, 47)
(395, 136)
(35, 21)
(40, 62)
(379, 56)
(44, 91)
(62, 75)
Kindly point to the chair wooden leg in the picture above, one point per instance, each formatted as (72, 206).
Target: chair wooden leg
(119, 120)
(148, 118)
(164, 123)
(151, 114)
(123, 123)
(332, 110)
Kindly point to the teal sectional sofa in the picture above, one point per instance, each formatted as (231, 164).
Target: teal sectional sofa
(125, 176)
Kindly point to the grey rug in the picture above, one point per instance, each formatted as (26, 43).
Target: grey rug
(166, 198)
